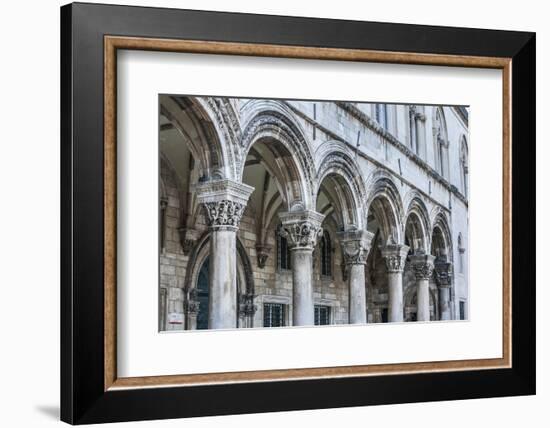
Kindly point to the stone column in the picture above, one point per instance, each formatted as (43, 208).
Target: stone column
(422, 266)
(302, 229)
(355, 248)
(395, 256)
(443, 275)
(224, 202)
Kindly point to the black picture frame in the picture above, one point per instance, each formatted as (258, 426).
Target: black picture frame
(83, 398)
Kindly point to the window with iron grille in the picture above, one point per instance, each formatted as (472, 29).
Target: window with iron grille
(283, 252)
(274, 315)
(326, 255)
(384, 314)
(322, 315)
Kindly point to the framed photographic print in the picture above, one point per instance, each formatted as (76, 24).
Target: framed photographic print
(272, 213)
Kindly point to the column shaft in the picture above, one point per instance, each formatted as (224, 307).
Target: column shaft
(423, 299)
(224, 202)
(395, 256)
(222, 302)
(422, 266)
(395, 291)
(357, 294)
(302, 298)
(444, 307)
(302, 230)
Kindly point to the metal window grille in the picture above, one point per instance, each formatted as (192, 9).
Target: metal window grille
(274, 315)
(322, 315)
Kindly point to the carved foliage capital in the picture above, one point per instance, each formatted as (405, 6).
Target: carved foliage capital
(301, 229)
(395, 256)
(422, 266)
(355, 246)
(224, 214)
(443, 273)
(224, 202)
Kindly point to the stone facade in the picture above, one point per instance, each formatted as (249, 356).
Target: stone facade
(345, 212)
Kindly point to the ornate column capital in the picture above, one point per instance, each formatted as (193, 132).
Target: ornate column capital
(395, 256)
(224, 202)
(355, 246)
(422, 265)
(443, 273)
(301, 229)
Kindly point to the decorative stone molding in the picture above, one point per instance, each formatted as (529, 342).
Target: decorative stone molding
(224, 202)
(301, 229)
(395, 256)
(355, 246)
(262, 253)
(422, 265)
(188, 238)
(443, 273)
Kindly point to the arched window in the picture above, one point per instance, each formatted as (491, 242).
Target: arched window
(461, 251)
(326, 255)
(416, 129)
(381, 115)
(464, 165)
(283, 252)
(441, 144)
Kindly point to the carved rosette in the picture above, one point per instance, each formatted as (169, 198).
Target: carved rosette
(224, 202)
(443, 273)
(355, 246)
(395, 257)
(422, 266)
(301, 229)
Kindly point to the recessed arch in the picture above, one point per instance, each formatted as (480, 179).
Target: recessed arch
(281, 144)
(338, 176)
(441, 241)
(210, 129)
(384, 208)
(417, 225)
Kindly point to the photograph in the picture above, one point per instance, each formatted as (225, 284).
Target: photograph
(292, 212)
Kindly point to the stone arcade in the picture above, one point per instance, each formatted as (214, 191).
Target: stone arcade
(280, 213)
